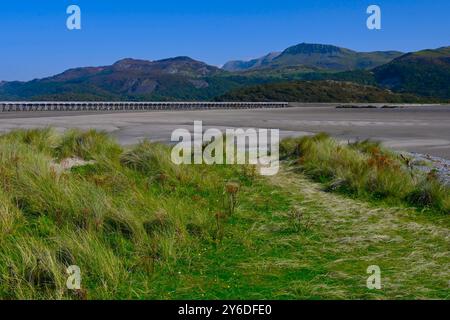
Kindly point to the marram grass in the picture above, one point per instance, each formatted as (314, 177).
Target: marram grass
(140, 227)
(366, 170)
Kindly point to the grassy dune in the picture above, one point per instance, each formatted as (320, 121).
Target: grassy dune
(367, 170)
(140, 227)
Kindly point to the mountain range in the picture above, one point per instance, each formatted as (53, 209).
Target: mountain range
(319, 56)
(424, 73)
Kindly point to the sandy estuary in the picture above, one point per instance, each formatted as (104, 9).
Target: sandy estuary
(421, 129)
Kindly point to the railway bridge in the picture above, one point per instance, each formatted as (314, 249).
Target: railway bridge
(30, 106)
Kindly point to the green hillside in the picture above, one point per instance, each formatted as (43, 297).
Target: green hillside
(425, 73)
(317, 91)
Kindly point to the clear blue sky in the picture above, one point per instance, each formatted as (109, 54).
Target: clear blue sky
(35, 41)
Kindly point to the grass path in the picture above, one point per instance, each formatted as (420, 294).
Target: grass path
(298, 242)
(412, 251)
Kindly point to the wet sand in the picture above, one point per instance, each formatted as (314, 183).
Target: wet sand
(422, 129)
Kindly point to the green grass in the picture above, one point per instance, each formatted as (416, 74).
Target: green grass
(366, 170)
(140, 227)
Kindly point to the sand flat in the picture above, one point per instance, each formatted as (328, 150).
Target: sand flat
(423, 129)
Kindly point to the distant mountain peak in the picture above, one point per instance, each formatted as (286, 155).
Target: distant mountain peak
(181, 65)
(129, 64)
(313, 56)
(130, 61)
(239, 65)
(331, 58)
(179, 59)
(310, 48)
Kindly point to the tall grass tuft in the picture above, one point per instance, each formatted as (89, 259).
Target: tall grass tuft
(42, 140)
(365, 169)
(149, 158)
(125, 211)
(88, 145)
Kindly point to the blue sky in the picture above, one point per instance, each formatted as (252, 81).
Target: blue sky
(36, 43)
